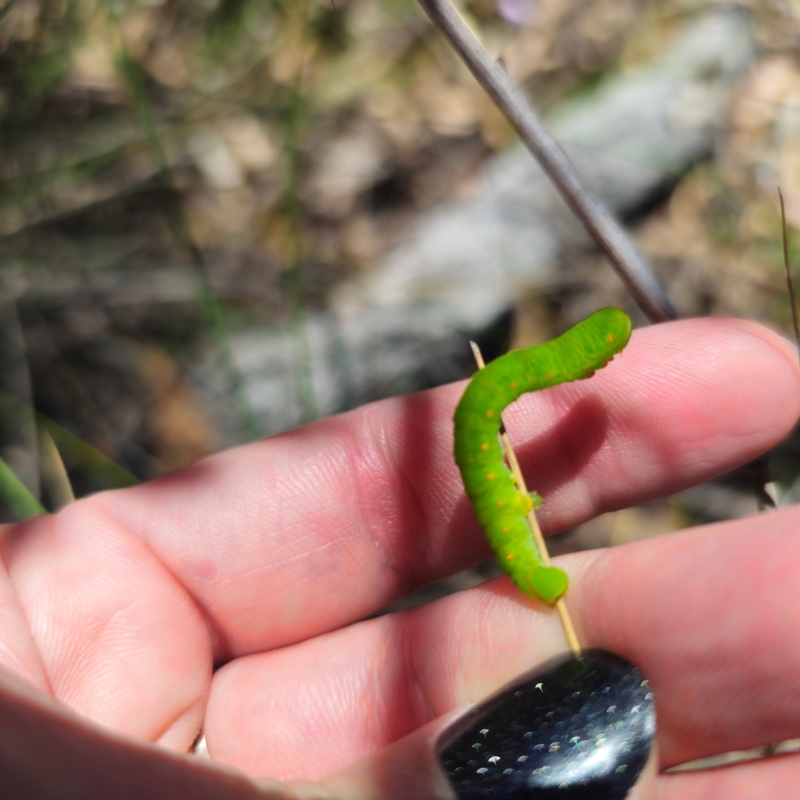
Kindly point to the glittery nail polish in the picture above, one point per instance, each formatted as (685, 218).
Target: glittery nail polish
(572, 728)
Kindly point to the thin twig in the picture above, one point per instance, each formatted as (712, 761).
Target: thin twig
(611, 239)
(763, 487)
(789, 285)
(54, 472)
(620, 251)
(561, 606)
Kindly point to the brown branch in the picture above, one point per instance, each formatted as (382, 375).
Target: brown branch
(611, 239)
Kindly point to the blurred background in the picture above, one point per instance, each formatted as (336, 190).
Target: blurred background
(221, 219)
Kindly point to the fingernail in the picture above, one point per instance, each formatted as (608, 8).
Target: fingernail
(572, 728)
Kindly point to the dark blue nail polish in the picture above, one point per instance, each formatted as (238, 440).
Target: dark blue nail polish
(572, 729)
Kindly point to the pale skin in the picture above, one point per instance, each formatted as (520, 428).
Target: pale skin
(264, 558)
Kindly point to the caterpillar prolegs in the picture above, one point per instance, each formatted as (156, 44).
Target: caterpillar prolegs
(501, 509)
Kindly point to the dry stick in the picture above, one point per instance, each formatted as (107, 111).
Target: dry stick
(610, 238)
(620, 251)
(789, 285)
(561, 606)
(54, 472)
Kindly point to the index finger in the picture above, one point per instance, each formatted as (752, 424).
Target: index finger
(304, 532)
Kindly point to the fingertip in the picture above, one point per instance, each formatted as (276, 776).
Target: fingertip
(763, 364)
(775, 342)
(307, 790)
(406, 768)
(735, 380)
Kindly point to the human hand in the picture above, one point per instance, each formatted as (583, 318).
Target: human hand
(264, 558)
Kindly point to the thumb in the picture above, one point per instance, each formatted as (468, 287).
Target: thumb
(48, 752)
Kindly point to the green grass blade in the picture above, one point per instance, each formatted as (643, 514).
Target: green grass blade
(17, 495)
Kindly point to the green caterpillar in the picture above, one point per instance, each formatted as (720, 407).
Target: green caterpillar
(501, 509)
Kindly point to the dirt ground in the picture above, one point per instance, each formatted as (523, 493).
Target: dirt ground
(175, 171)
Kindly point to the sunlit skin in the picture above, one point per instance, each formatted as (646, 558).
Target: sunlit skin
(263, 559)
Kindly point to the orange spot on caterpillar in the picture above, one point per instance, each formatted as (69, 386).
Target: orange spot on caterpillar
(490, 476)
(501, 503)
(484, 446)
(509, 556)
(610, 337)
(489, 413)
(506, 529)
(549, 376)
(513, 384)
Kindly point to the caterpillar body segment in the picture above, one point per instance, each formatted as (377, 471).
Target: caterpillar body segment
(501, 509)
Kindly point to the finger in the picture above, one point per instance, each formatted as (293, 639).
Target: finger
(708, 615)
(411, 768)
(18, 652)
(310, 530)
(118, 638)
(47, 752)
(407, 768)
(89, 638)
(776, 777)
